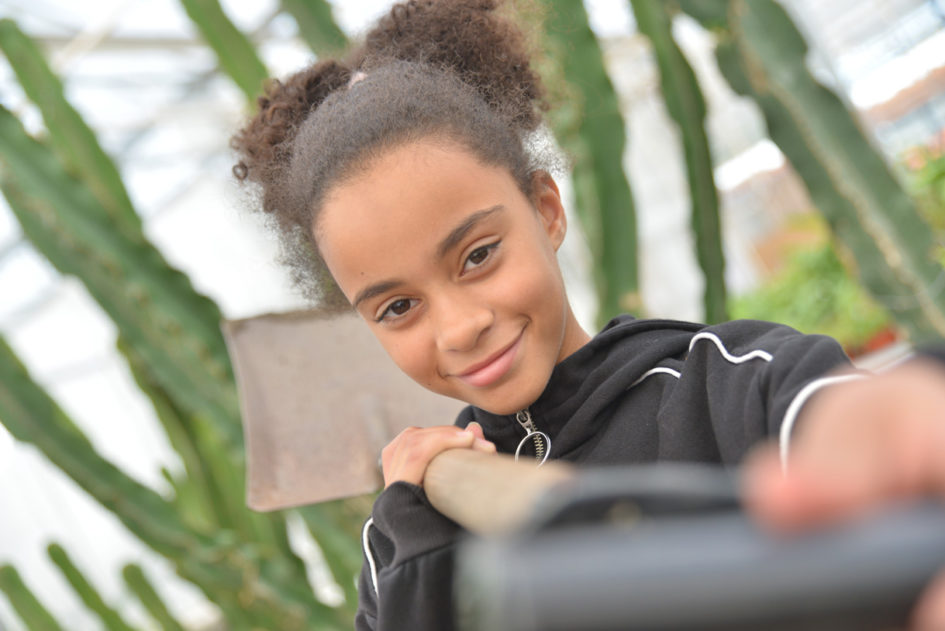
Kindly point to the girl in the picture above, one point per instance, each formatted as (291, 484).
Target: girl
(408, 183)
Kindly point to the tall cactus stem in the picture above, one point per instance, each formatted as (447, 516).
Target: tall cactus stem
(686, 106)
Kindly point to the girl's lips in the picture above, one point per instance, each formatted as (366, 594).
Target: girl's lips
(493, 369)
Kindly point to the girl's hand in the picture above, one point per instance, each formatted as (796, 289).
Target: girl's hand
(860, 444)
(407, 456)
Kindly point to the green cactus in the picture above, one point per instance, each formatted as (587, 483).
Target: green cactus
(111, 619)
(73, 207)
(30, 610)
(31, 416)
(197, 493)
(333, 525)
(158, 312)
(687, 107)
(595, 138)
(250, 581)
(762, 55)
(69, 136)
(316, 25)
(234, 51)
(139, 584)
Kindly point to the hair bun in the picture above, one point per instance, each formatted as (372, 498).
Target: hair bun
(468, 38)
(451, 69)
(267, 137)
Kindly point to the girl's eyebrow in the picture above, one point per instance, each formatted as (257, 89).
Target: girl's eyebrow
(456, 235)
(452, 239)
(374, 290)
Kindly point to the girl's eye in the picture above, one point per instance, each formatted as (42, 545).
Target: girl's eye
(479, 256)
(396, 309)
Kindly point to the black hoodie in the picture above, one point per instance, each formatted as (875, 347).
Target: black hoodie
(640, 391)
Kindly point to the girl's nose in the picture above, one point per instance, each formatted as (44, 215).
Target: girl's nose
(460, 324)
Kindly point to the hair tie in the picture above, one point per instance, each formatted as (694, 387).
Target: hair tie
(356, 76)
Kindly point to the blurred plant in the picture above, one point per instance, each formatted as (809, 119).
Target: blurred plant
(686, 106)
(873, 220)
(815, 293)
(588, 124)
(71, 204)
(925, 173)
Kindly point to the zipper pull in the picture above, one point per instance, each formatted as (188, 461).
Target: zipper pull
(524, 418)
(540, 439)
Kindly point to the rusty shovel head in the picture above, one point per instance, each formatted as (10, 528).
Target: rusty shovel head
(320, 398)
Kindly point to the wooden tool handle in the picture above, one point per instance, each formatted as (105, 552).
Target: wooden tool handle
(488, 493)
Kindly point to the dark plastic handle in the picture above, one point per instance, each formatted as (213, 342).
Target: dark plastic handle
(716, 570)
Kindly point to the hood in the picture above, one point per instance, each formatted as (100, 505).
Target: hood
(586, 383)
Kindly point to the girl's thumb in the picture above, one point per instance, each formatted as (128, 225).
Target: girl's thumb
(476, 429)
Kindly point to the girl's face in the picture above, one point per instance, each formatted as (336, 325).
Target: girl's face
(454, 270)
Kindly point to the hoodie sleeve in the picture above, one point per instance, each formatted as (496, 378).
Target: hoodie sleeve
(745, 381)
(406, 579)
(935, 353)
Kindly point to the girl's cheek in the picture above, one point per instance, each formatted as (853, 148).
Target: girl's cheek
(415, 355)
(541, 283)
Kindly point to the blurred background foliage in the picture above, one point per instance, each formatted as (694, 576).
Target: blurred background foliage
(866, 265)
(814, 291)
(925, 175)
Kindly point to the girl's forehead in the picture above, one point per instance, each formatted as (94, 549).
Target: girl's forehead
(392, 219)
(416, 188)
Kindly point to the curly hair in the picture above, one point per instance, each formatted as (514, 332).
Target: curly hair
(453, 70)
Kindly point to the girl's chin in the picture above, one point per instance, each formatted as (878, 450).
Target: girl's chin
(499, 411)
(502, 405)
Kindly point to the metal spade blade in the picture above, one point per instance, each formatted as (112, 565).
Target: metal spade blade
(320, 398)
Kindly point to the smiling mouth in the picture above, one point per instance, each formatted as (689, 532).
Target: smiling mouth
(493, 368)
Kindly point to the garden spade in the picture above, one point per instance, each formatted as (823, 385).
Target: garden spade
(320, 398)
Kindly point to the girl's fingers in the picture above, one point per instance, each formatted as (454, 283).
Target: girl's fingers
(476, 429)
(407, 456)
(480, 444)
(858, 445)
(930, 614)
(484, 446)
(801, 499)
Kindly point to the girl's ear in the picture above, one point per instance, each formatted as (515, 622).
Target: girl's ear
(547, 201)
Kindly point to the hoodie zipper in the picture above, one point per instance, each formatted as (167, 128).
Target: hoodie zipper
(524, 418)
